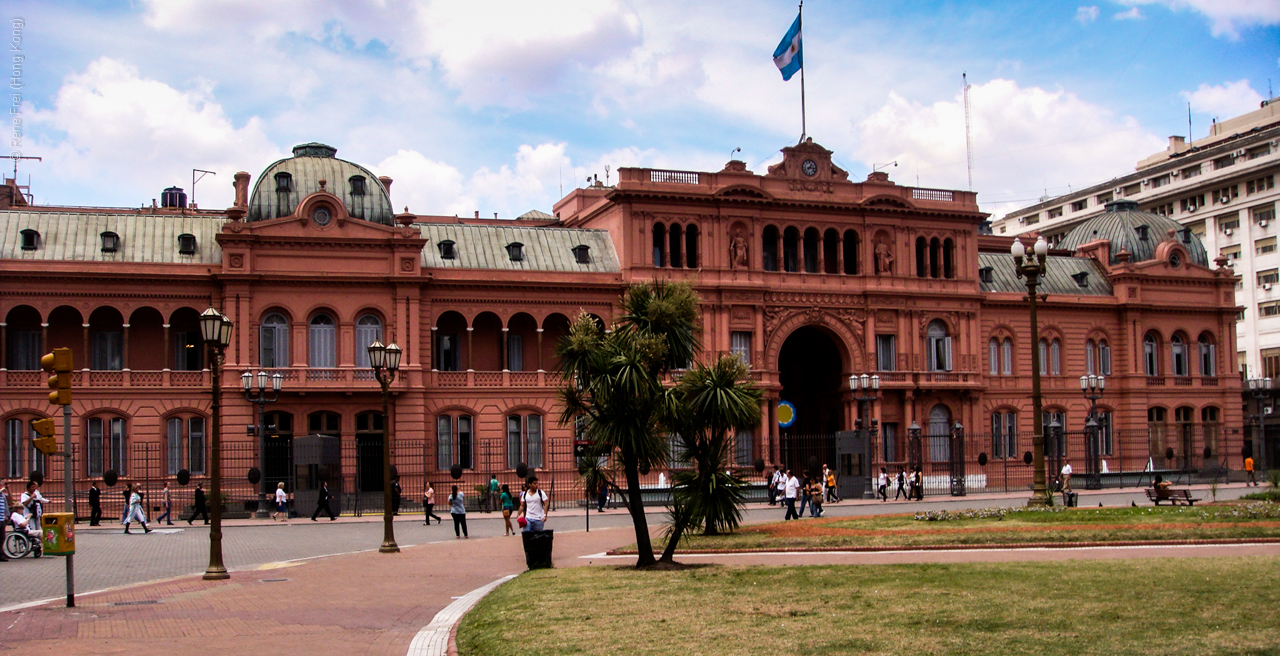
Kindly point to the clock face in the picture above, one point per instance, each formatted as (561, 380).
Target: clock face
(809, 167)
(321, 216)
(1175, 260)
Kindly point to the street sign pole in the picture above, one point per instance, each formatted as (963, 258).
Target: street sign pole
(68, 486)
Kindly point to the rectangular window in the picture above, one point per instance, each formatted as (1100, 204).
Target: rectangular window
(515, 352)
(1105, 446)
(886, 353)
(1270, 309)
(275, 346)
(1224, 162)
(195, 445)
(1191, 203)
(743, 446)
(1006, 357)
(889, 439)
(322, 345)
(186, 351)
(1270, 362)
(173, 444)
(447, 352)
(1226, 194)
(1229, 221)
(1103, 199)
(1265, 213)
(1260, 185)
(1131, 190)
(1230, 252)
(939, 353)
(1104, 357)
(444, 442)
(93, 451)
(1191, 171)
(1208, 359)
(1033, 219)
(1080, 205)
(993, 357)
(1268, 276)
(24, 350)
(13, 430)
(1004, 435)
(107, 351)
(118, 456)
(1160, 180)
(39, 461)
(1055, 212)
(1055, 358)
(533, 441)
(464, 442)
(515, 437)
(1259, 151)
(1264, 246)
(740, 344)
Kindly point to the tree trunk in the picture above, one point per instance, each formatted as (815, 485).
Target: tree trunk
(636, 505)
(669, 553)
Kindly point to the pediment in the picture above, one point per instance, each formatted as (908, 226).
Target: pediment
(743, 191)
(887, 201)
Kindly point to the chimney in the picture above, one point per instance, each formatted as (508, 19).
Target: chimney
(241, 185)
(477, 214)
(386, 183)
(1177, 144)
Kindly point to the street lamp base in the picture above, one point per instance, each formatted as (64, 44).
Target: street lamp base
(263, 512)
(1038, 500)
(389, 547)
(216, 574)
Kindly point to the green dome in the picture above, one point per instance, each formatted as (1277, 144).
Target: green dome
(284, 184)
(1135, 231)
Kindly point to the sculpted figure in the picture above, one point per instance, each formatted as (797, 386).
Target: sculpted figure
(884, 258)
(738, 251)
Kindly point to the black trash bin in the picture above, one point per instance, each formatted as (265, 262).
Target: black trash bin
(1072, 499)
(537, 548)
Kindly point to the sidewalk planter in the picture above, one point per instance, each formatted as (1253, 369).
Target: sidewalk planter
(537, 548)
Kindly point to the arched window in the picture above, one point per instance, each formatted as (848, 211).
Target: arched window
(1150, 355)
(1053, 425)
(769, 248)
(273, 345)
(1105, 443)
(368, 331)
(851, 252)
(1104, 357)
(659, 245)
(922, 258)
(30, 240)
(1090, 357)
(105, 447)
(691, 246)
(524, 440)
(1004, 434)
(184, 444)
(1055, 357)
(1208, 356)
(791, 250)
(322, 343)
(453, 441)
(939, 433)
(20, 454)
(1180, 360)
(948, 258)
(1156, 432)
(1209, 418)
(676, 239)
(935, 258)
(324, 423)
(830, 251)
(369, 436)
(811, 240)
(1006, 357)
(993, 356)
(938, 344)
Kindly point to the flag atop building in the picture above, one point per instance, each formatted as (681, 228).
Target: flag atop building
(789, 55)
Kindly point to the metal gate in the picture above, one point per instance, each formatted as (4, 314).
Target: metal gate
(853, 453)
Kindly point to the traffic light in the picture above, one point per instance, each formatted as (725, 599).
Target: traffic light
(58, 363)
(46, 443)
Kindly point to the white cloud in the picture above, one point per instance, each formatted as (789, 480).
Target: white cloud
(1086, 15)
(1062, 139)
(431, 187)
(1226, 17)
(1131, 13)
(124, 137)
(1224, 100)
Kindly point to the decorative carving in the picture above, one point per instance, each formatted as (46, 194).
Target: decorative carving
(406, 264)
(772, 317)
(738, 250)
(886, 318)
(740, 313)
(820, 186)
(884, 258)
(237, 261)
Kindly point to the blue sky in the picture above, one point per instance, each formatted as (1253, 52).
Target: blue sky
(497, 106)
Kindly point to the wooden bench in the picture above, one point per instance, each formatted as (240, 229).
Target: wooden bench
(1175, 497)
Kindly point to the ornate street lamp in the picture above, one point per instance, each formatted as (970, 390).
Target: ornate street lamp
(385, 361)
(267, 383)
(1260, 388)
(215, 331)
(1092, 386)
(1032, 270)
(865, 389)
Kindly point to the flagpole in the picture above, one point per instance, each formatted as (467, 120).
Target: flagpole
(804, 130)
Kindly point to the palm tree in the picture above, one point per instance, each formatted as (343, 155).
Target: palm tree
(703, 410)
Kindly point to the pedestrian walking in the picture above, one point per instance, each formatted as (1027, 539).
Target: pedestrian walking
(815, 499)
(832, 496)
(918, 483)
(1066, 475)
(282, 504)
(458, 509)
(166, 502)
(789, 491)
(882, 485)
(508, 506)
(95, 504)
(804, 494)
(395, 495)
(603, 496)
(777, 481)
(902, 483)
(33, 502)
(429, 504)
(4, 517)
(495, 495)
(135, 512)
(1248, 469)
(533, 506)
(199, 505)
(322, 502)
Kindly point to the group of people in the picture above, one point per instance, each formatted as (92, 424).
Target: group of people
(531, 515)
(910, 484)
(808, 490)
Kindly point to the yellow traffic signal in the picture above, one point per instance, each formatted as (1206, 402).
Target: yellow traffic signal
(46, 443)
(59, 364)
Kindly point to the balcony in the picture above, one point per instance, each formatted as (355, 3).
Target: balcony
(491, 379)
(110, 379)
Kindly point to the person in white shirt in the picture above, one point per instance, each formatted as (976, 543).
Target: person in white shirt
(882, 485)
(533, 506)
(776, 483)
(1066, 475)
(282, 504)
(791, 489)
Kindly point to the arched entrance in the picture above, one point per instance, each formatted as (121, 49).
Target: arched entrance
(277, 451)
(811, 370)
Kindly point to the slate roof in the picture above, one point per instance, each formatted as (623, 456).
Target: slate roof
(310, 164)
(545, 249)
(1057, 278)
(76, 235)
(1118, 224)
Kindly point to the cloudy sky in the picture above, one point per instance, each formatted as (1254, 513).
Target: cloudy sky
(497, 106)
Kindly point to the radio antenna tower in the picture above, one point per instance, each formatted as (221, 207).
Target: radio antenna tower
(968, 135)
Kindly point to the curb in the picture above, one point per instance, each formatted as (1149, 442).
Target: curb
(437, 638)
(964, 547)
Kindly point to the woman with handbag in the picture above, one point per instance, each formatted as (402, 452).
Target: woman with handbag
(134, 512)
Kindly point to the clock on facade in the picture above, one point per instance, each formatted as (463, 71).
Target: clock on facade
(1175, 260)
(321, 216)
(809, 167)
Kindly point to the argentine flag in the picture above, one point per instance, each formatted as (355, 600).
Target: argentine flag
(789, 55)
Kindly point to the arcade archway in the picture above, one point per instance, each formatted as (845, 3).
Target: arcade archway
(811, 370)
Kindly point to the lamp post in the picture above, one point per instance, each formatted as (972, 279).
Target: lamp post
(215, 331)
(865, 389)
(1092, 386)
(1032, 269)
(385, 361)
(1260, 388)
(266, 383)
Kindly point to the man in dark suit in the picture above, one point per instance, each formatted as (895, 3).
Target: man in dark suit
(95, 505)
(395, 496)
(322, 503)
(201, 506)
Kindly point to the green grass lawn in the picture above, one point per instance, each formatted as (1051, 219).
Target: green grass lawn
(1004, 526)
(1140, 607)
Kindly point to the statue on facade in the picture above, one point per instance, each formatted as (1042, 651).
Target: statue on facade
(884, 258)
(738, 251)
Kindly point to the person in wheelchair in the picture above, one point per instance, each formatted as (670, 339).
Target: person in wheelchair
(25, 537)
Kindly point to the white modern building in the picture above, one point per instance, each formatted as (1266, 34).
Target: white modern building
(1223, 190)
